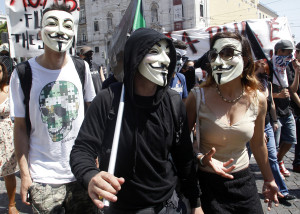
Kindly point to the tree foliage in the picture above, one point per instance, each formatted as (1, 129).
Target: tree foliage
(3, 28)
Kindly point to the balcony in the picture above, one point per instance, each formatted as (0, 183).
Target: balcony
(81, 42)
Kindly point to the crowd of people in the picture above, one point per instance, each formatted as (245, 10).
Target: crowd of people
(182, 145)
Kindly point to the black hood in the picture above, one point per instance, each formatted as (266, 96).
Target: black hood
(136, 47)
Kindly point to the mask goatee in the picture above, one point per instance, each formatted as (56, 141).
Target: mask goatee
(59, 46)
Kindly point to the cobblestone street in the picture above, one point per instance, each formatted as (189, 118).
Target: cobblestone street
(292, 182)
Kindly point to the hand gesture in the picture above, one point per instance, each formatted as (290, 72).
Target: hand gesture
(270, 192)
(104, 185)
(218, 166)
(25, 184)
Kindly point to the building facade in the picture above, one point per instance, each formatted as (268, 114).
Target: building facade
(100, 18)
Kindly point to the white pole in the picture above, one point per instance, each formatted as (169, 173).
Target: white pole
(115, 144)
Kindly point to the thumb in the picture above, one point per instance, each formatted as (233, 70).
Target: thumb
(211, 152)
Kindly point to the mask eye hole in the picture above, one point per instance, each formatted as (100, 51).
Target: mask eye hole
(226, 54)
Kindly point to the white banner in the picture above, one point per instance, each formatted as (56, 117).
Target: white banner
(267, 31)
(24, 20)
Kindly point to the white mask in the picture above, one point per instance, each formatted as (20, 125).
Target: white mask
(58, 30)
(155, 64)
(224, 70)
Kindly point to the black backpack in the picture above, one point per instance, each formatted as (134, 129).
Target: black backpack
(25, 75)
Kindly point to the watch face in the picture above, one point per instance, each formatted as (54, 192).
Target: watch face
(155, 64)
(226, 60)
(58, 30)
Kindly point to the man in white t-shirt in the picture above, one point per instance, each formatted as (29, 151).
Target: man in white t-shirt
(56, 109)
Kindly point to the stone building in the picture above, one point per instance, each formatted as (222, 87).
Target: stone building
(100, 18)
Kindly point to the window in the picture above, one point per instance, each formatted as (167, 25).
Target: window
(83, 37)
(96, 26)
(260, 15)
(82, 15)
(96, 49)
(109, 21)
(154, 13)
(201, 10)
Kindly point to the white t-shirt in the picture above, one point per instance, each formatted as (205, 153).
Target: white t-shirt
(56, 111)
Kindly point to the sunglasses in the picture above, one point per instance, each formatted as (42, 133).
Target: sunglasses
(226, 54)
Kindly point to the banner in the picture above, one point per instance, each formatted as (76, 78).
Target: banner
(24, 22)
(267, 31)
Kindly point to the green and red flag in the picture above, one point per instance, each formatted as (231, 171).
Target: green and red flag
(139, 20)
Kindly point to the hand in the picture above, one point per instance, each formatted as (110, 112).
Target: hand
(296, 65)
(284, 93)
(275, 126)
(270, 192)
(104, 185)
(218, 166)
(25, 184)
(197, 210)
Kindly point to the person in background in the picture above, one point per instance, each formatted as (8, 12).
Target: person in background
(231, 113)
(188, 71)
(8, 160)
(56, 111)
(177, 82)
(285, 135)
(86, 53)
(145, 178)
(262, 73)
(295, 104)
(6, 60)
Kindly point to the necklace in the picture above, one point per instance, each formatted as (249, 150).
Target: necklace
(226, 100)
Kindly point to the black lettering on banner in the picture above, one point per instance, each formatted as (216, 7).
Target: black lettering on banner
(17, 36)
(25, 43)
(27, 18)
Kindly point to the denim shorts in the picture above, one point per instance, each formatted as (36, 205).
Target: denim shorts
(288, 129)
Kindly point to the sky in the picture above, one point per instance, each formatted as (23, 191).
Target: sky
(288, 8)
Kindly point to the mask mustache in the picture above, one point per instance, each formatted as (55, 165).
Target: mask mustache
(220, 68)
(163, 66)
(59, 36)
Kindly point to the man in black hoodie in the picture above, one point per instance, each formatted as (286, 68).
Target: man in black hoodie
(145, 176)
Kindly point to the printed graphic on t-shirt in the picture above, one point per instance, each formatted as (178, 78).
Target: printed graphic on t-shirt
(178, 87)
(59, 104)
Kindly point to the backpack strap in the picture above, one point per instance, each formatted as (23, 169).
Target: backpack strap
(199, 95)
(25, 75)
(80, 68)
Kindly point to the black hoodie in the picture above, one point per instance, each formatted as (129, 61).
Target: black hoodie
(147, 138)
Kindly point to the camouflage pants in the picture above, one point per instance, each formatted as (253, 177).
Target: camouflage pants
(60, 199)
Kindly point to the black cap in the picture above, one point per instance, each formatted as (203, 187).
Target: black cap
(284, 44)
(298, 47)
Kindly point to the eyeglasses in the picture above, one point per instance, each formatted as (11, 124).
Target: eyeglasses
(226, 54)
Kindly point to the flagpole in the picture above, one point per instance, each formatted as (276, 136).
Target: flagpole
(115, 144)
